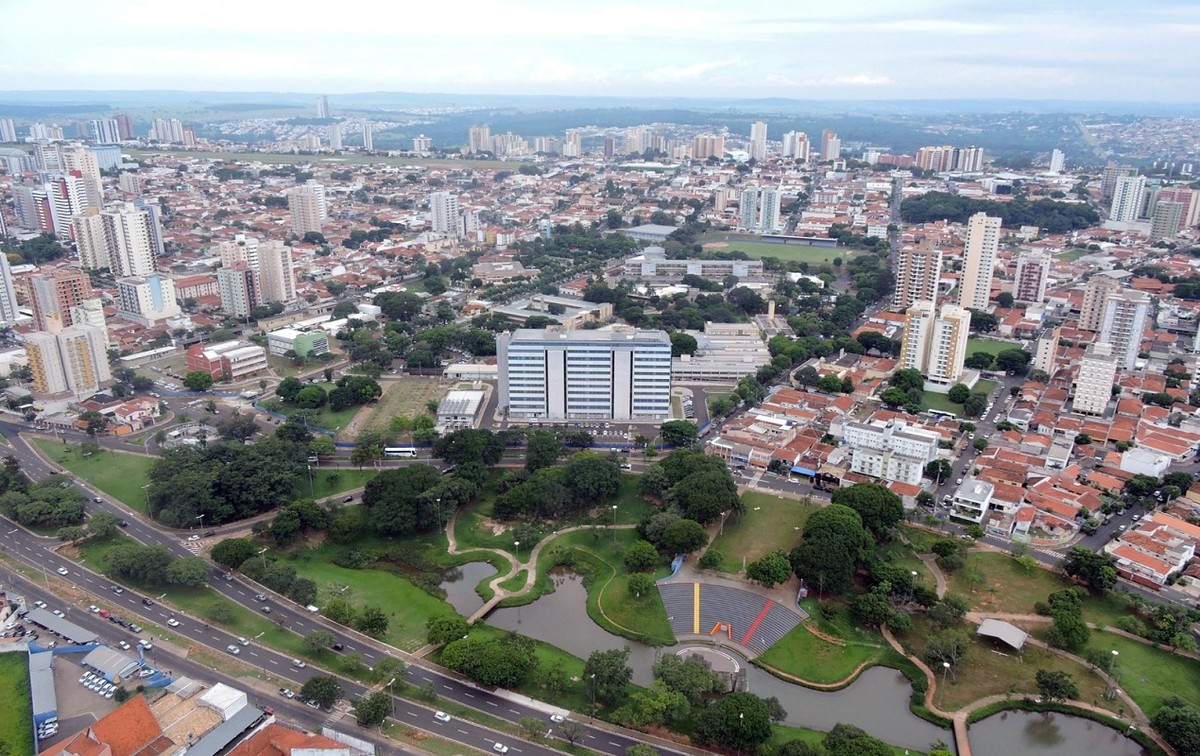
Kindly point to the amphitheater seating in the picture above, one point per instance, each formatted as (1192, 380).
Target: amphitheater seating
(755, 622)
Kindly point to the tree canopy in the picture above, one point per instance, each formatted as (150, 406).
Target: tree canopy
(880, 509)
(1055, 217)
(835, 544)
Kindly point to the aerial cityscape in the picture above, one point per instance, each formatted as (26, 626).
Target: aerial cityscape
(600, 389)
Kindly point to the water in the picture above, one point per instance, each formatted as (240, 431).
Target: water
(877, 701)
(459, 584)
(1028, 732)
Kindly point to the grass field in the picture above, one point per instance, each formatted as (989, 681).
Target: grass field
(331, 160)
(717, 241)
(1073, 255)
(781, 735)
(1149, 675)
(119, 475)
(16, 714)
(405, 396)
(769, 523)
(990, 669)
(991, 346)
(934, 400)
(803, 654)
(323, 486)
(325, 417)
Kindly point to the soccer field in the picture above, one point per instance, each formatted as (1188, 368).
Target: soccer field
(754, 248)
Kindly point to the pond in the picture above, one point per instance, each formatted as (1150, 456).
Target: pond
(1028, 732)
(877, 702)
(459, 584)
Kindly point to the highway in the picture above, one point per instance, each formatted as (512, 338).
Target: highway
(35, 550)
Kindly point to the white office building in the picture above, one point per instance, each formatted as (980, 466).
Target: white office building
(444, 214)
(146, 299)
(1093, 384)
(9, 312)
(1125, 315)
(979, 261)
(1057, 161)
(276, 272)
(758, 140)
(1128, 193)
(891, 450)
(796, 145)
(618, 374)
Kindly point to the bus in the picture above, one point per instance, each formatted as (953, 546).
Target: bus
(399, 452)
(942, 413)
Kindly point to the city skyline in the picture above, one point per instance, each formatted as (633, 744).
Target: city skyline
(925, 50)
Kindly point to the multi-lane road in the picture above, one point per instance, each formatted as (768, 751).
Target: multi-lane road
(36, 551)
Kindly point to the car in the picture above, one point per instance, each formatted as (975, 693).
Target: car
(264, 609)
(268, 710)
(441, 716)
(124, 523)
(147, 602)
(209, 533)
(557, 718)
(93, 609)
(134, 627)
(233, 649)
(1121, 527)
(173, 622)
(40, 604)
(110, 693)
(147, 672)
(118, 590)
(52, 644)
(97, 499)
(124, 645)
(243, 641)
(337, 646)
(63, 571)
(298, 663)
(288, 694)
(59, 613)
(499, 747)
(1136, 518)
(312, 704)
(104, 613)
(193, 538)
(348, 499)
(260, 597)
(959, 482)
(145, 644)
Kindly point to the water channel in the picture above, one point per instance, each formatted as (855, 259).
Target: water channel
(1028, 732)
(459, 584)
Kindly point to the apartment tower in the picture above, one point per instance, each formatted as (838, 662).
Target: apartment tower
(979, 261)
(918, 270)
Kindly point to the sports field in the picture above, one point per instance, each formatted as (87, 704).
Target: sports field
(717, 241)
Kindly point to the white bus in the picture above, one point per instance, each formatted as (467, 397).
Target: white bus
(399, 452)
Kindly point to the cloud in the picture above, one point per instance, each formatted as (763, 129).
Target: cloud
(855, 80)
(673, 72)
(861, 80)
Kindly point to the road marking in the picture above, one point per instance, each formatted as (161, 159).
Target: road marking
(491, 703)
(272, 661)
(469, 695)
(590, 737)
(514, 711)
(618, 745)
(412, 713)
(464, 732)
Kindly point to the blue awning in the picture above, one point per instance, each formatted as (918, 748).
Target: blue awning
(804, 471)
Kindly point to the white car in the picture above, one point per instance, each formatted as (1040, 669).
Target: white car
(59, 613)
(557, 718)
(442, 716)
(94, 609)
(145, 644)
(40, 604)
(231, 648)
(499, 747)
(173, 622)
(193, 538)
(124, 645)
(243, 641)
(298, 663)
(63, 571)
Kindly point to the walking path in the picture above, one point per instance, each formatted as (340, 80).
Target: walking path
(939, 577)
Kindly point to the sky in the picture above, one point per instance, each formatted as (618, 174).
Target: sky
(844, 49)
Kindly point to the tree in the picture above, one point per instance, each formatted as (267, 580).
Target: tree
(192, 570)
(638, 749)
(678, 433)
(695, 681)
(391, 499)
(1069, 631)
(641, 556)
(975, 405)
(939, 470)
(373, 709)
(96, 423)
(507, 662)
(682, 343)
(830, 383)
(908, 379)
(835, 543)
(983, 322)
(704, 495)
(949, 646)
(372, 621)
(469, 445)
(949, 611)
(231, 552)
(683, 537)
(322, 689)
(444, 628)
(1095, 568)
(640, 584)
(139, 564)
(340, 610)
(958, 393)
(980, 443)
(1014, 360)
(1004, 299)
(1179, 723)
(738, 721)
(872, 609)
(979, 360)
(102, 525)
(606, 674)
(311, 397)
(318, 640)
(1055, 686)
(198, 380)
(288, 388)
(542, 450)
(880, 509)
(770, 569)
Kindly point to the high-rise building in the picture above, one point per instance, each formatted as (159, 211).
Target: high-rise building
(90, 312)
(748, 208)
(935, 342)
(333, 133)
(168, 130)
(9, 312)
(130, 237)
(1033, 272)
(636, 140)
(368, 136)
(422, 144)
(758, 140)
(238, 286)
(759, 209)
(1184, 195)
(1127, 199)
(88, 232)
(79, 160)
(53, 293)
(444, 214)
(796, 146)
(979, 261)
(66, 197)
(124, 126)
(620, 374)
(1108, 181)
(1095, 299)
(307, 205)
(610, 146)
(918, 270)
(148, 300)
(1047, 351)
(831, 146)
(1058, 161)
(8, 130)
(1164, 221)
(25, 205)
(276, 272)
(322, 106)
(1125, 314)
(1093, 384)
(968, 159)
(705, 146)
(479, 139)
(51, 132)
(154, 213)
(104, 131)
(243, 249)
(572, 143)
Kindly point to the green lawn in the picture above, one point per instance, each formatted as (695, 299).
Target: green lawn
(754, 248)
(934, 400)
(323, 485)
(991, 346)
(325, 417)
(1073, 255)
(803, 654)
(1150, 675)
(769, 523)
(119, 475)
(404, 396)
(781, 735)
(16, 707)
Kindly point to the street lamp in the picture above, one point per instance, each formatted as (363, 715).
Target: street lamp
(1111, 693)
(614, 507)
(517, 546)
(263, 553)
(593, 678)
(912, 587)
(741, 718)
(392, 698)
(441, 524)
(311, 490)
(945, 669)
(200, 517)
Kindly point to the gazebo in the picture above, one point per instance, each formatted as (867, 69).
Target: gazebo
(1010, 635)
